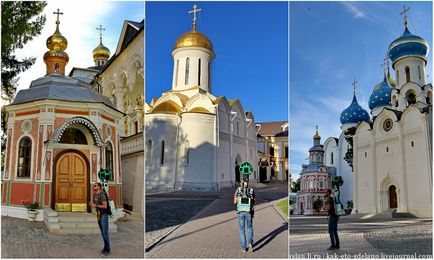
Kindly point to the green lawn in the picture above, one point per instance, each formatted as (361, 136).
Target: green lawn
(283, 206)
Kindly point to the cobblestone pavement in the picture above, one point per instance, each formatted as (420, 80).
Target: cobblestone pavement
(360, 238)
(24, 239)
(166, 214)
(214, 232)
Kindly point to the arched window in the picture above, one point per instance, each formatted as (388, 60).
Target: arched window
(176, 72)
(187, 70)
(187, 152)
(411, 98)
(24, 157)
(73, 136)
(331, 158)
(198, 73)
(109, 160)
(407, 74)
(162, 153)
(397, 77)
(148, 151)
(56, 68)
(418, 70)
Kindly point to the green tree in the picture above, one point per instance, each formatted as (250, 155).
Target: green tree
(296, 185)
(348, 134)
(20, 23)
(317, 205)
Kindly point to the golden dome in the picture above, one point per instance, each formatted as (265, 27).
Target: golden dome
(316, 136)
(193, 39)
(57, 41)
(101, 52)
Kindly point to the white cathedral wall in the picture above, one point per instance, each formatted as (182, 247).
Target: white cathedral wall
(417, 164)
(201, 172)
(225, 164)
(161, 127)
(413, 64)
(345, 171)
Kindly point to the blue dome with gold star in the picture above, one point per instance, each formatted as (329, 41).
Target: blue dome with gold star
(354, 114)
(381, 95)
(407, 45)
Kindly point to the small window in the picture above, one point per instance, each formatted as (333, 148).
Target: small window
(272, 151)
(366, 154)
(109, 160)
(198, 73)
(162, 153)
(412, 143)
(73, 136)
(407, 74)
(187, 152)
(286, 152)
(176, 72)
(187, 70)
(56, 68)
(331, 158)
(418, 70)
(397, 77)
(387, 149)
(24, 157)
(148, 151)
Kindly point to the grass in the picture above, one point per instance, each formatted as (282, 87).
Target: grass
(283, 206)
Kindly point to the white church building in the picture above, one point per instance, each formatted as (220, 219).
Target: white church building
(195, 140)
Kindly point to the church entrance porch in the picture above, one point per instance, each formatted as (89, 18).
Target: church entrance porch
(71, 187)
(393, 201)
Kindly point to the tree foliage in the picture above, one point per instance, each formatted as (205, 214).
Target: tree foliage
(317, 205)
(348, 134)
(296, 185)
(21, 21)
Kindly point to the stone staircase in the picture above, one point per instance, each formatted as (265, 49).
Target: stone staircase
(74, 222)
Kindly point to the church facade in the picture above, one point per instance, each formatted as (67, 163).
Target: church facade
(195, 140)
(60, 132)
(393, 152)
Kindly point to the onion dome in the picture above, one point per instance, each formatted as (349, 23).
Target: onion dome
(407, 45)
(101, 52)
(193, 39)
(56, 58)
(354, 114)
(381, 95)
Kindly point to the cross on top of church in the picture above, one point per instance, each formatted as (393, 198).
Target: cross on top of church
(316, 128)
(354, 86)
(385, 65)
(194, 11)
(404, 12)
(100, 29)
(57, 13)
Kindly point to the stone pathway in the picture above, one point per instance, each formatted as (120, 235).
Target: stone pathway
(214, 233)
(23, 239)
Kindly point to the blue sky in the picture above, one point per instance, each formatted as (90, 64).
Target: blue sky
(78, 24)
(250, 41)
(331, 44)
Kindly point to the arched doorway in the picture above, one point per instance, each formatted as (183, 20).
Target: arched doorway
(71, 186)
(237, 168)
(393, 201)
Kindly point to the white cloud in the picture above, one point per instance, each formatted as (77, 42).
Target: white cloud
(352, 8)
(77, 24)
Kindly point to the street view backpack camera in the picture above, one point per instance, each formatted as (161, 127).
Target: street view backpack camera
(104, 175)
(245, 194)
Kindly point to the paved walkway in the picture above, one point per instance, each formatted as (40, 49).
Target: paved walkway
(23, 239)
(373, 238)
(214, 232)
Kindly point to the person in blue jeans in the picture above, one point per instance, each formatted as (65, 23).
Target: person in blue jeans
(100, 202)
(333, 221)
(245, 216)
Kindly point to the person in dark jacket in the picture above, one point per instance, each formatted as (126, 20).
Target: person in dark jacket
(333, 220)
(100, 202)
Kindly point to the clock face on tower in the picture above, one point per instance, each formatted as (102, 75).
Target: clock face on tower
(387, 125)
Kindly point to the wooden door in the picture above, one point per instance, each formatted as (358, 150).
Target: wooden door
(71, 183)
(393, 201)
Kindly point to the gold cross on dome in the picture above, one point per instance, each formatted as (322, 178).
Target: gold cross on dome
(404, 12)
(316, 129)
(57, 13)
(354, 86)
(100, 29)
(194, 11)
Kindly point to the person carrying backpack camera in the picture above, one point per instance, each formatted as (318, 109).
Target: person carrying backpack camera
(333, 220)
(244, 199)
(100, 202)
